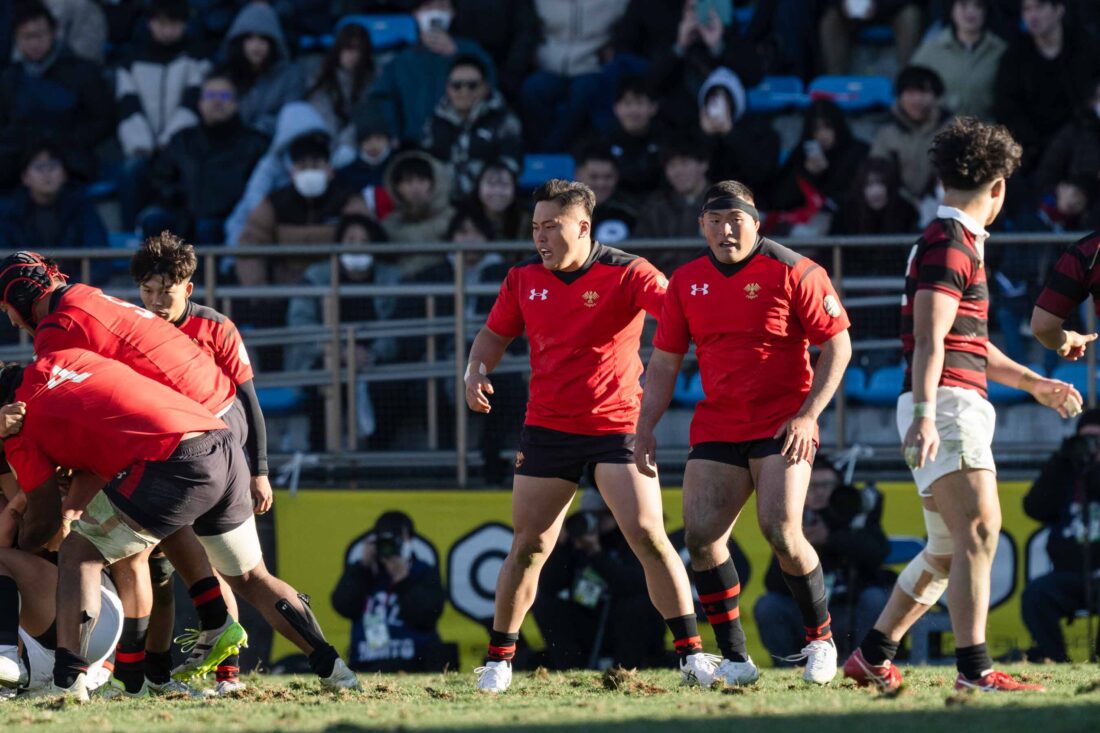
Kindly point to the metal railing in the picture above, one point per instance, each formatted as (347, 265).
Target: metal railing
(340, 338)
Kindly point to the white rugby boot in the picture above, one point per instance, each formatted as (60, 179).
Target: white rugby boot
(494, 677)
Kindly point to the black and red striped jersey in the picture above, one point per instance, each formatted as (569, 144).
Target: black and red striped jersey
(948, 259)
(1073, 278)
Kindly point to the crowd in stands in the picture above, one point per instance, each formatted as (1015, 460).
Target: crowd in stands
(245, 122)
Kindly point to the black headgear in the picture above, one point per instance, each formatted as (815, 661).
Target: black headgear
(25, 277)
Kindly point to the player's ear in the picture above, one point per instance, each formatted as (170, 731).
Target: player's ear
(997, 190)
(189, 289)
(584, 227)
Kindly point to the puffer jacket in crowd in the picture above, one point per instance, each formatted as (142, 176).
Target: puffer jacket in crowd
(490, 132)
(430, 225)
(968, 74)
(574, 32)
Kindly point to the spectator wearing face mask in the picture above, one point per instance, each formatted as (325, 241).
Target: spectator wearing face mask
(202, 172)
(259, 60)
(472, 125)
(305, 212)
(415, 79)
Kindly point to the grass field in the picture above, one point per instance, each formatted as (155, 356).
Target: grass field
(590, 701)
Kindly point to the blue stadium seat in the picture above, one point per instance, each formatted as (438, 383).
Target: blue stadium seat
(316, 43)
(903, 549)
(743, 16)
(689, 389)
(101, 189)
(855, 384)
(1076, 373)
(386, 31)
(123, 240)
(279, 400)
(854, 93)
(777, 93)
(999, 394)
(884, 385)
(878, 35)
(537, 169)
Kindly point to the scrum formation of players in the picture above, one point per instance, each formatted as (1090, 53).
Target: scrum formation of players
(136, 443)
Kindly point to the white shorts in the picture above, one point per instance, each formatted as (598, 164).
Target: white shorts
(965, 421)
(101, 646)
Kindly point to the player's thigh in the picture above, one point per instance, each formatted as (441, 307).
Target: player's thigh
(633, 498)
(714, 494)
(538, 510)
(968, 503)
(780, 490)
(36, 580)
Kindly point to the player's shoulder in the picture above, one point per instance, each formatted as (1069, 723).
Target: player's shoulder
(524, 266)
(945, 233)
(614, 257)
(691, 267)
(1086, 247)
(798, 265)
(206, 313)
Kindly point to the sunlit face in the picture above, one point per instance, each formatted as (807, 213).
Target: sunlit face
(496, 190)
(730, 234)
(167, 300)
(256, 49)
(601, 176)
(823, 481)
(561, 235)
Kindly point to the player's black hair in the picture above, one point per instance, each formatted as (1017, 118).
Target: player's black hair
(312, 146)
(637, 85)
(566, 194)
(920, 78)
(412, 167)
(969, 154)
(11, 376)
(468, 59)
(736, 189)
(375, 232)
(165, 255)
(29, 11)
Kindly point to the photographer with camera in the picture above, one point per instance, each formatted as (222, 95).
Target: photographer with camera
(1066, 497)
(592, 602)
(393, 599)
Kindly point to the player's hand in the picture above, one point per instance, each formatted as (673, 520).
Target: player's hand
(1075, 345)
(922, 442)
(262, 496)
(477, 387)
(11, 419)
(1057, 395)
(799, 443)
(645, 453)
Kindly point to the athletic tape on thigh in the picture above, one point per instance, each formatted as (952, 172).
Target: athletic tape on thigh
(922, 581)
(939, 537)
(235, 552)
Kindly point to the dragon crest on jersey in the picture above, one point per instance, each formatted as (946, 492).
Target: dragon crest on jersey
(751, 291)
(590, 297)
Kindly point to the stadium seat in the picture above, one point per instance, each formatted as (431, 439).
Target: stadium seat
(777, 93)
(279, 400)
(999, 394)
(878, 35)
(101, 189)
(1076, 373)
(884, 385)
(854, 93)
(123, 240)
(537, 169)
(315, 43)
(386, 31)
(855, 384)
(689, 389)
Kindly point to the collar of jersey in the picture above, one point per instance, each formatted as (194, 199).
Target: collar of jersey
(573, 275)
(186, 314)
(729, 270)
(972, 226)
(55, 297)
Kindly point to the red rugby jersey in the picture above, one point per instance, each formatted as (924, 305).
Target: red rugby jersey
(1073, 278)
(90, 413)
(947, 259)
(752, 323)
(82, 317)
(218, 336)
(584, 329)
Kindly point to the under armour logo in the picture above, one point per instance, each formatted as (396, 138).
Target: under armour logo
(540, 294)
(703, 289)
(61, 375)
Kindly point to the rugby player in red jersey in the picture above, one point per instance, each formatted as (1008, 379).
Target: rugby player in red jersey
(163, 269)
(944, 417)
(582, 306)
(752, 307)
(167, 463)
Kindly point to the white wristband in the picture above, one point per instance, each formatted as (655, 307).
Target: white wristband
(924, 409)
(480, 369)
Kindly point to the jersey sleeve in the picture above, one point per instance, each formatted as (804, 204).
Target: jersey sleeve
(30, 466)
(231, 355)
(1067, 284)
(506, 318)
(647, 287)
(817, 305)
(673, 334)
(945, 268)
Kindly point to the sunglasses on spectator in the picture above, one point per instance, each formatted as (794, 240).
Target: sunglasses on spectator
(467, 84)
(219, 96)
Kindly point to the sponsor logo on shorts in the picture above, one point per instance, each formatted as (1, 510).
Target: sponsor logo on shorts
(590, 297)
(751, 291)
(519, 458)
(832, 306)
